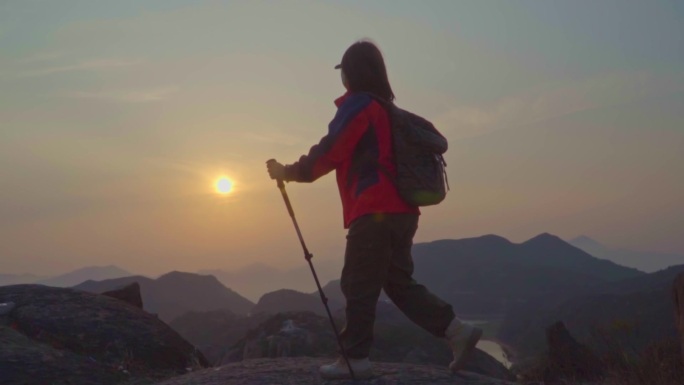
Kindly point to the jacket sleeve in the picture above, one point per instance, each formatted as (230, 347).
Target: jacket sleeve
(344, 131)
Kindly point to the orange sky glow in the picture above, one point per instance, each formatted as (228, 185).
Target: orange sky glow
(118, 119)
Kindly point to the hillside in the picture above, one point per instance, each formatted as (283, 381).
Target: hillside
(214, 332)
(290, 300)
(632, 313)
(647, 261)
(176, 293)
(255, 280)
(488, 275)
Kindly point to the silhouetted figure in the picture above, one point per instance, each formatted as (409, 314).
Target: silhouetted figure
(381, 225)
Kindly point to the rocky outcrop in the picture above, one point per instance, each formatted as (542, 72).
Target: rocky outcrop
(129, 294)
(569, 359)
(678, 297)
(292, 334)
(304, 371)
(65, 336)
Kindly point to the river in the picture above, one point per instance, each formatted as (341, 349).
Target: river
(487, 344)
(494, 349)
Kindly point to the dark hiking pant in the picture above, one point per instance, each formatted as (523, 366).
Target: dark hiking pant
(378, 256)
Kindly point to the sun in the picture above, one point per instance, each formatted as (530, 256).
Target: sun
(224, 185)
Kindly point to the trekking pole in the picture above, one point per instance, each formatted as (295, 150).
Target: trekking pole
(308, 257)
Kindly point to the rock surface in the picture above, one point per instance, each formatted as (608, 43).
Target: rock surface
(64, 336)
(304, 371)
(304, 334)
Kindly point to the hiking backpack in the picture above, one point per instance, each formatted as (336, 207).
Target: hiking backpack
(420, 178)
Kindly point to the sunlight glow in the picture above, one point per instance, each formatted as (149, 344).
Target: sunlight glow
(224, 185)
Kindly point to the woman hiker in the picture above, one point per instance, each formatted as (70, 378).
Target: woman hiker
(380, 224)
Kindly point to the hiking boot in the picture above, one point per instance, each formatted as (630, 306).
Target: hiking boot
(462, 338)
(338, 370)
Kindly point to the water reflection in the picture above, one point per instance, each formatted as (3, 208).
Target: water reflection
(494, 349)
(487, 345)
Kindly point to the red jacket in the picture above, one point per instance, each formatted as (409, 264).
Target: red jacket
(358, 139)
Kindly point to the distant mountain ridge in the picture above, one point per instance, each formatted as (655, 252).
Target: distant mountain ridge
(488, 275)
(16, 279)
(177, 293)
(532, 283)
(255, 280)
(643, 260)
(96, 273)
(71, 278)
(483, 276)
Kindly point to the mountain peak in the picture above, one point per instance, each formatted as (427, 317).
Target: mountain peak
(175, 274)
(545, 238)
(283, 292)
(487, 239)
(493, 238)
(583, 238)
(193, 278)
(584, 241)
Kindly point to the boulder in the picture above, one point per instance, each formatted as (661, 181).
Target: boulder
(66, 336)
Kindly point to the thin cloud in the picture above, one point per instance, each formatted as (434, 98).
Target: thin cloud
(40, 57)
(556, 100)
(127, 96)
(90, 65)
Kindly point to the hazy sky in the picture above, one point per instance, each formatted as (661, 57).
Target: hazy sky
(117, 117)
